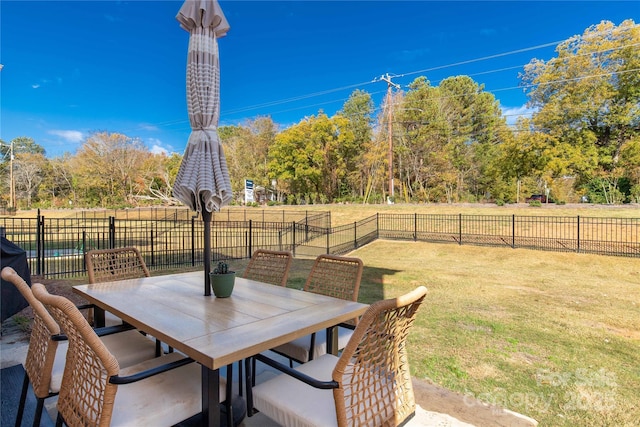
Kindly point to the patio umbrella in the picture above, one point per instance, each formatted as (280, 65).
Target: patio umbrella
(203, 179)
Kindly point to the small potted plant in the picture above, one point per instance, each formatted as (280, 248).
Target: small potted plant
(222, 280)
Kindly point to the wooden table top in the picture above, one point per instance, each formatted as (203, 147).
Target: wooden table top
(218, 331)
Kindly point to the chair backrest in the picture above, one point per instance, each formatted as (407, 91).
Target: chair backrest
(269, 267)
(335, 276)
(42, 348)
(86, 396)
(373, 369)
(108, 265)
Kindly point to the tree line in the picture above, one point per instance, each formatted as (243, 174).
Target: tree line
(444, 143)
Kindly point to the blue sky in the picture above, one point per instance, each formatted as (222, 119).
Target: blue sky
(76, 67)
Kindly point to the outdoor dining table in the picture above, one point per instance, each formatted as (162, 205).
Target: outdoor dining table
(216, 332)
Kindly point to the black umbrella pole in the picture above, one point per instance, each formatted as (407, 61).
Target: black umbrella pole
(206, 217)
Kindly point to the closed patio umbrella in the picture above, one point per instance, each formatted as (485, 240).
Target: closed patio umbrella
(203, 179)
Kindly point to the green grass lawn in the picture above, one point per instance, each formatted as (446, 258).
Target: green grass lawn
(554, 336)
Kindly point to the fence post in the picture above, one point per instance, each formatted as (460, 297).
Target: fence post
(415, 227)
(513, 231)
(193, 241)
(250, 238)
(39, 243)
(153, 262)
(112, 232)
(355, 234)
(460, 229)
(84, 250)
(294, 245)
(578, 248)
(328, 247)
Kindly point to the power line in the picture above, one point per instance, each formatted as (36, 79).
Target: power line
(324, 92)
(296, 98)
(521, 87)
(358, 85)
(293, 99)
(484, 58)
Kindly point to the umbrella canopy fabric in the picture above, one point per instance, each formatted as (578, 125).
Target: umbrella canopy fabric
(203, 181)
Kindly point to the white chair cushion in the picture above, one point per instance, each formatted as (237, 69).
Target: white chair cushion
(298, 349)
(58, 367)
(292, 403)
(111, 319)
(130, 348)
(163, 399)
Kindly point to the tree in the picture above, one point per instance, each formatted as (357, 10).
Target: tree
(527, 155)
(247, 151)
(21, 144)
(475, 127)
(630, 161)
(153, 182)
(5, 164)
(21, 147)
(106, 167)
(588, 99)
(310, 159)
(358, 110)
(59, 181)
(28, 173)
(420, 154)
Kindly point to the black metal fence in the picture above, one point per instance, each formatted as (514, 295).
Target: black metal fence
(603, 236)
(171, 240)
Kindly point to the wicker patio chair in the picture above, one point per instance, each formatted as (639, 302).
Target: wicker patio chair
(110, 265)
(331, 275)
(368, 385)
(269, 267)
(46, 353)
(95, 391)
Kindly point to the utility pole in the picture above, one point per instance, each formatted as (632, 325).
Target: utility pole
(390, 85)
(12, 183)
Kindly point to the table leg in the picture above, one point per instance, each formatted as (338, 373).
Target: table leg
(248, 380)
(210, 397)
(98, 317)
(332, 340)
